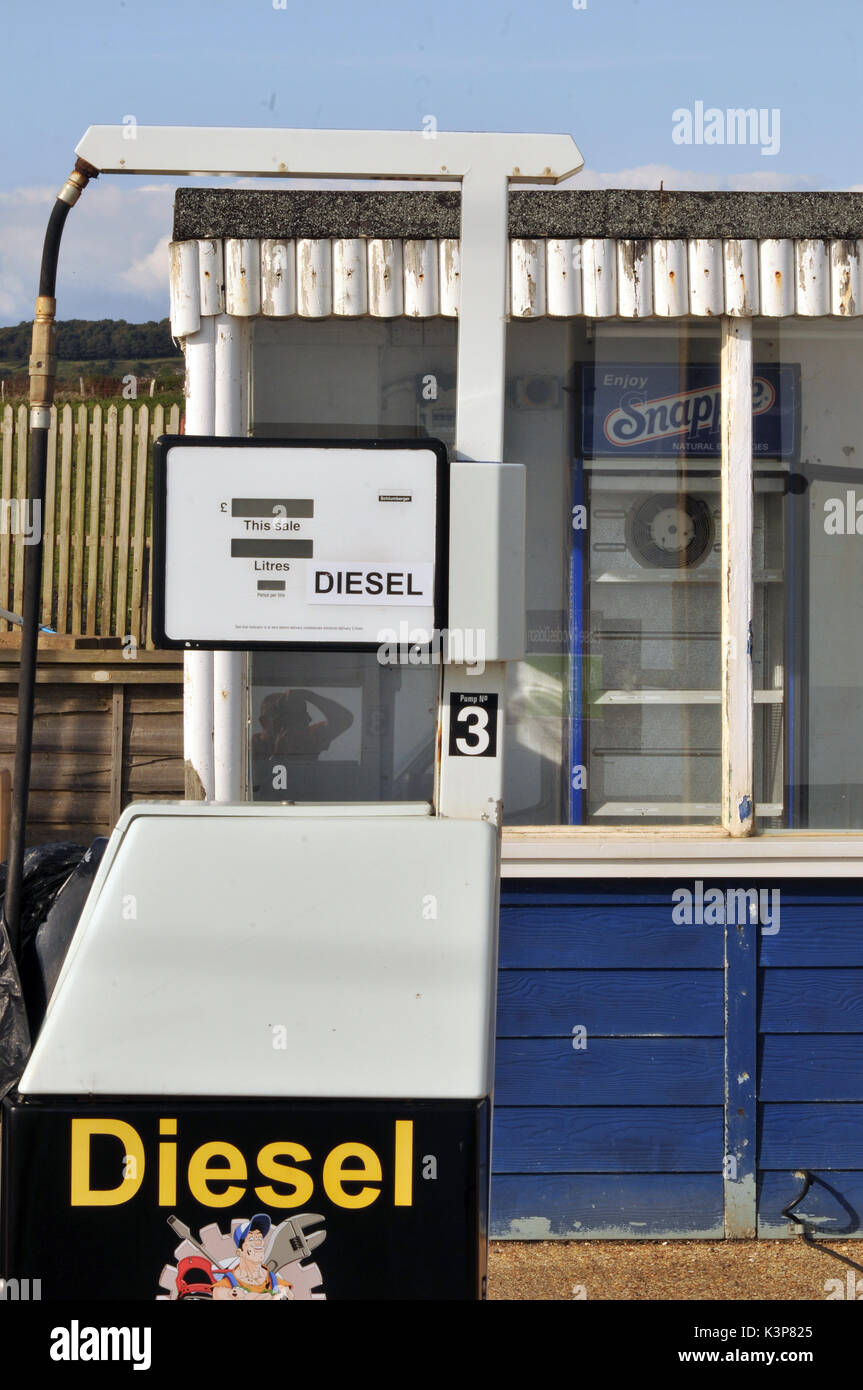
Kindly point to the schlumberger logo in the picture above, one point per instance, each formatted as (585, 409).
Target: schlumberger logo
(735, 906)
(639, 421)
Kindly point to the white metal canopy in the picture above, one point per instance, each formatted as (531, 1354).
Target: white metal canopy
(351, 154)
(571, 277)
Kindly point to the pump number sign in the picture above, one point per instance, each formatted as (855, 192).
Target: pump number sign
(296, 544)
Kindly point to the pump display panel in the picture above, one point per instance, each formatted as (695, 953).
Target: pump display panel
(296, 544)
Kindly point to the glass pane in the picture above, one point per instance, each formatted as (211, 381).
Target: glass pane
(808, 629)
(614, 716)
(326, 725)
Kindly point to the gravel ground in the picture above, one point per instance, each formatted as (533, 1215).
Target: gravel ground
(675, 1269)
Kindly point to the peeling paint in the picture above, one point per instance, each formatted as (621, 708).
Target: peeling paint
(391, 277)
(740, 1203)
(529, 1228)
(194, 788)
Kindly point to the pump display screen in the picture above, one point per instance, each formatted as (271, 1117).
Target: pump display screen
(261, 543)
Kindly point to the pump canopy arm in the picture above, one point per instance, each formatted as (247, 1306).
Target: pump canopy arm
(348, 154)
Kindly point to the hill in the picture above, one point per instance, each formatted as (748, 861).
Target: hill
(93, 340)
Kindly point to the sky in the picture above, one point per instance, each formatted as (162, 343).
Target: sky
(642, 85)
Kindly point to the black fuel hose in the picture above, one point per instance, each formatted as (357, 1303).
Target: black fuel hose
(806, 1234)
(43, 367)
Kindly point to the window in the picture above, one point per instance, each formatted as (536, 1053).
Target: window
(615, 715)
(808, 569)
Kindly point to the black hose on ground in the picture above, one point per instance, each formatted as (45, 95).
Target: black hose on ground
(806, 1234)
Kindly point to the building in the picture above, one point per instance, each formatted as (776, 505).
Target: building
(680, 1026)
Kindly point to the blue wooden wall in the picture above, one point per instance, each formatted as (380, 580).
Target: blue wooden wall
(633, 1134)
(810, 1083)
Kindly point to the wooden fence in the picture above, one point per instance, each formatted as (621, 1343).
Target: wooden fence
(97, 517)
(106, 731)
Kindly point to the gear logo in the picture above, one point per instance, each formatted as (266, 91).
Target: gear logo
(254, 1260)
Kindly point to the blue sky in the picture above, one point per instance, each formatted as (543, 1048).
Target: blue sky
(612, 73)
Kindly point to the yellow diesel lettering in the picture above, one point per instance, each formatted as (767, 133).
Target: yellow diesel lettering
(282, 1173)
(404, 1164)
(336, 1174)
(201, 1175)
(132, 1173)
(168, 1166)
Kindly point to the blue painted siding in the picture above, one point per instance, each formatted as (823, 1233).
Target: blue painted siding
(610, 1071)
(607, 1206)
(592, 1139)
(608, 1003)
(622, 1137)
(810, 1082)
(628, 1135)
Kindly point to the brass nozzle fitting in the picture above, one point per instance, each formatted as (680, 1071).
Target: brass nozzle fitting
(43, 358)
(77, 182)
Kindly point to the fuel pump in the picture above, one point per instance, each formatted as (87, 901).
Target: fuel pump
(266, 1070)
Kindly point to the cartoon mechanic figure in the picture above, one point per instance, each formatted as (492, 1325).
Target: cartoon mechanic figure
(248, 1278)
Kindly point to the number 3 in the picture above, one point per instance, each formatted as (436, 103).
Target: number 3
(477, 739)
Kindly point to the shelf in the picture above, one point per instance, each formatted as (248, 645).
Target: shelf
(683, 576)
(676, 809)
(678, 697)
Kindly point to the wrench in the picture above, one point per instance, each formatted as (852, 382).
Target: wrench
(291, 1241)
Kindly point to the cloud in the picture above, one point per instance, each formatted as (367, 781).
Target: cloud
(113, 258)
(651, 175)
(149, 273)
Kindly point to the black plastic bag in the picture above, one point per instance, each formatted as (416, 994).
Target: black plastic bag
(46, 868)
(14, 1029)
